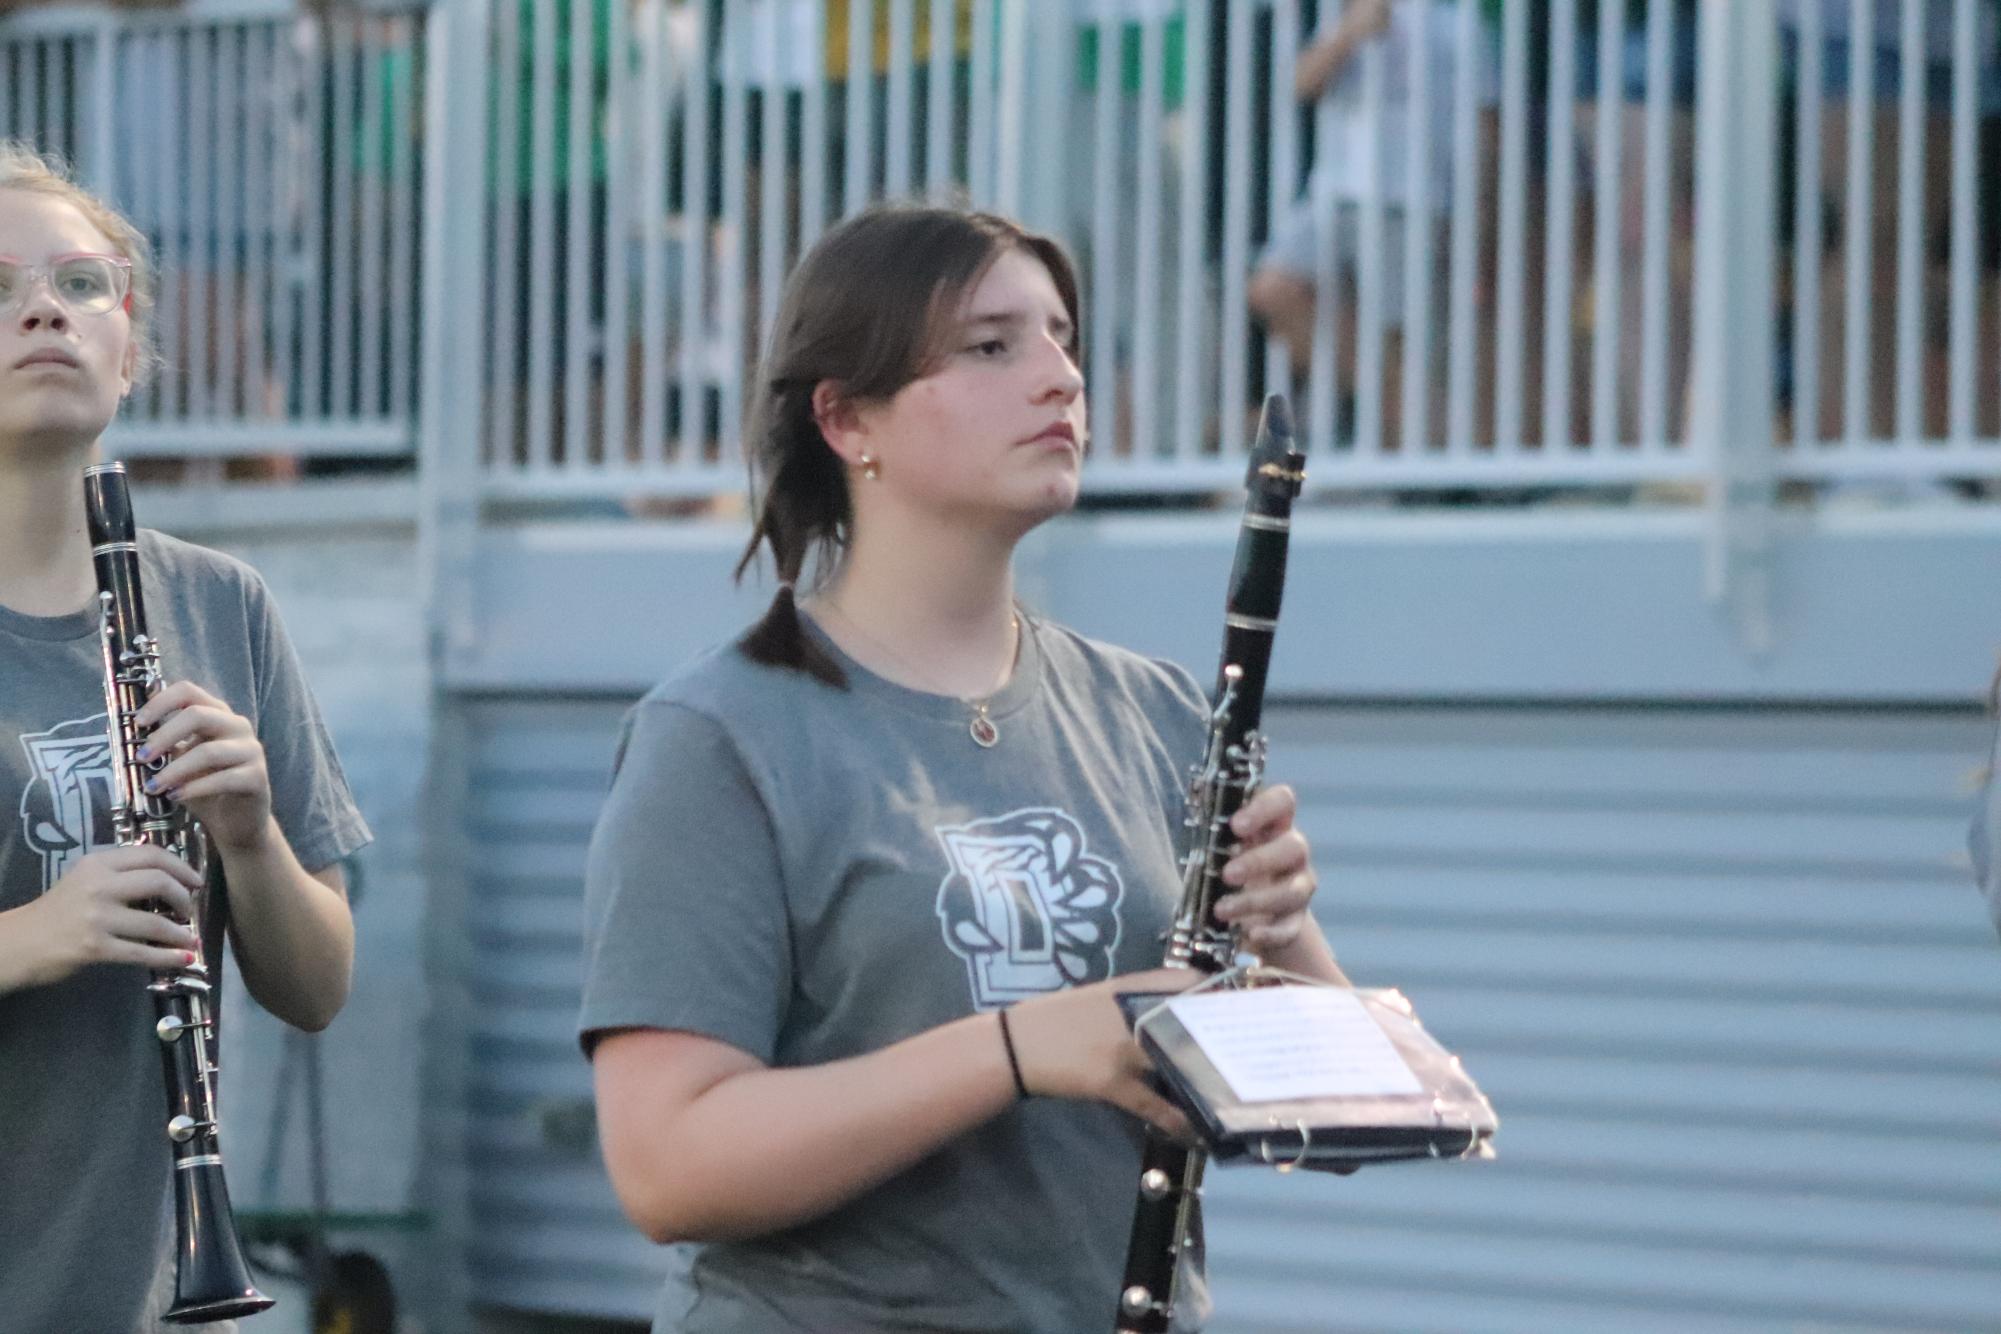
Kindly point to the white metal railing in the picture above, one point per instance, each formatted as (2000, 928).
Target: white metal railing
(274, 161)
(1520, 309)
(1496, 217)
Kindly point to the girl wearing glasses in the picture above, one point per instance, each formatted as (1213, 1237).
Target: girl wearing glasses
(867, 879)
(83, 1089)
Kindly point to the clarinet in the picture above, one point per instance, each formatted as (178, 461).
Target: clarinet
(1231, 770)
(212, 1281)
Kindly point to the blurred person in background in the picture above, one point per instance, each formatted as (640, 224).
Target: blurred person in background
(1363, 156)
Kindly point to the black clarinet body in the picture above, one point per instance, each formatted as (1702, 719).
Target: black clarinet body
(1232, 767)
(212, 1280)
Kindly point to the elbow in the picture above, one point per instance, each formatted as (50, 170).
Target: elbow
(667, 1212)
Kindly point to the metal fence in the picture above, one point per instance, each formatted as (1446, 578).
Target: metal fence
(274, 162)
(1484, 235)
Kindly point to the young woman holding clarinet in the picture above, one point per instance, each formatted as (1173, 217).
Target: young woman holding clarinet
(869, 878)
(232, 736)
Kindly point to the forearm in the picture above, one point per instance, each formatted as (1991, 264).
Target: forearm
(1309, 955)
(769, 1148)
(293, 933)
(1321, 62)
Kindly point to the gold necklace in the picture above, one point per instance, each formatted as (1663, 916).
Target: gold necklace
(981, 726)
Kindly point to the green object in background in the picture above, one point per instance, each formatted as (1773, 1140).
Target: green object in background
(1174, 59)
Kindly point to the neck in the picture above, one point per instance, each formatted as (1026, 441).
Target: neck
(927, 600)
(44, 545)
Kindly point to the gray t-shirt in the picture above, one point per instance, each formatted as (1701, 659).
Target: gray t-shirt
(85, 1202)
(808, 873)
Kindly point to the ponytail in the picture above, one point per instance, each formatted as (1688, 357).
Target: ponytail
(779, 640)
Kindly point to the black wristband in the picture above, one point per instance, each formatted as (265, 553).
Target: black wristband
(1013, 1065)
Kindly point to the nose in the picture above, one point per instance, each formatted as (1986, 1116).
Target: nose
(1061, 379)
(39, 308)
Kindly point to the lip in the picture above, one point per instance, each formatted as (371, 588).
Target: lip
(1061, 431)
(48, 356)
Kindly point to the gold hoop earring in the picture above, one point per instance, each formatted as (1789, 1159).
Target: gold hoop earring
(871, 469)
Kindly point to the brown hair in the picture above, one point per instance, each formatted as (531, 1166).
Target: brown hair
(868, 308)
(22, 168)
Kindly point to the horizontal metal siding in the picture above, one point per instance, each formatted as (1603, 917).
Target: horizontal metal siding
(1722, 973)
(546, 1231)
(1724, 976)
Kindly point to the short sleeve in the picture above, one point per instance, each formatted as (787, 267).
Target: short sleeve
(684, 908)
(309, 792)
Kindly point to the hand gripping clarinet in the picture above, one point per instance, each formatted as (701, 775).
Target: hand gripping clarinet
(212, 1281)
(1231, 770)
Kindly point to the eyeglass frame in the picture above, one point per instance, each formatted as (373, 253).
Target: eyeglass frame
(45, 273)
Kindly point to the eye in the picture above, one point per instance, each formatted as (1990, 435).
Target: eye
(989, 347)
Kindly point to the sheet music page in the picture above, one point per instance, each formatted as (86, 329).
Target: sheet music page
(1277, 1043)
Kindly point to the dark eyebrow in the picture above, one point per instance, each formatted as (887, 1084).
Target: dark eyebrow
(1011, 319)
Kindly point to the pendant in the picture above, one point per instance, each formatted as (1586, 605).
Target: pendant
(985, 734)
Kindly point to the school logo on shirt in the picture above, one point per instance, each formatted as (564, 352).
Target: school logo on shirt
(1027, 906)
(66, 806)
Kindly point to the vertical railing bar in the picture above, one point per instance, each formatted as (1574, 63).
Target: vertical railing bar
(541, 238)
(731, 261)
(1235, 330)
(28, 108)
(106, 164)
(859, 142)
(1104, 287)
(234, 306)
(1147, 276)
(507, 360)
(1514, 173)
(1010, 108)
(1323, 388)
(579, 234)
(771, 161)
(1190, 290)
(654, 213)
(1963, 314)
(173, 267)
(1282, 119)
(1858, 228)
(285, 169)
(200, 142)
(898, 148)
(1369, 258)
(55, 93)
(938, 128)
(1654, 292)
(980, 130)
(1910, 223)
(813, 138)
(312, 318)
(615, 384)
(346, 298)
(403, 253)
(696, 235)
(257, 115)
(374, 157)
(1608, 207)
(1559, 247)
(1807, 233)
(1414, 435)
(1466, 221)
